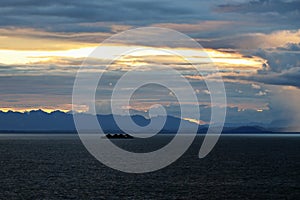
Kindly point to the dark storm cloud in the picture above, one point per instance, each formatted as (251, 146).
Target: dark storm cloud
(81, 16)
(35, 13)
(290, 47)
(268, 15)
(279, 61)
(288, 77)
(283, 66)
(262, 6)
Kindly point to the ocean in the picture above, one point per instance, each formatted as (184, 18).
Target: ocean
(52, 166)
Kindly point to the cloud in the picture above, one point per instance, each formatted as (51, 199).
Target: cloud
(261, 6)
(261, 93)
(63, 12)
(290, 47)
(20, 38)
(206, 25)
(282, 66)
(54, 92)
(281, 58)
(253, 40)
(255, 44)
(289, 77)
(255, 86)
(93, 21)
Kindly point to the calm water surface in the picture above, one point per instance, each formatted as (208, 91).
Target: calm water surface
(240, 167)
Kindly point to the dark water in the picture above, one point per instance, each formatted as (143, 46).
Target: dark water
(239, 167)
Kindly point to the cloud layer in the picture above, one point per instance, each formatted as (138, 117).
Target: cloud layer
(255, 44)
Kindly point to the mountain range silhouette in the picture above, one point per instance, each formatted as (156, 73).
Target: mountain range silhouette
(57, 121)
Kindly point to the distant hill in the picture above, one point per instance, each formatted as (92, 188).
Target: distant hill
(57, 121)
(246, 129)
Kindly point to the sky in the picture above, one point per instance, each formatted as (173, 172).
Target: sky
(255, 45)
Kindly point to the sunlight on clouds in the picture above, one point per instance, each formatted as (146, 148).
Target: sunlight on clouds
(204, 57)
(10, 57)
(47, 109)
(158, 56)
(257, 106)
(199, 122)
(38, 44)
(254, 44)
(271, 40)
(29, 39)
